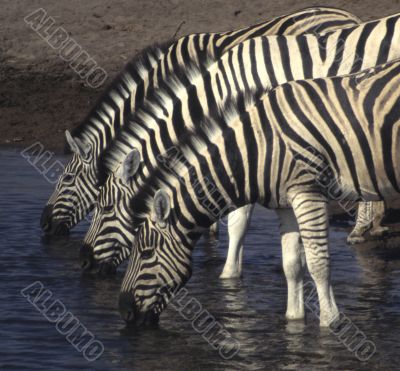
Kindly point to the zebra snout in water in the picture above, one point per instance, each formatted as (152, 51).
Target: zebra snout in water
(127, 308)
(45, 219)
(86, 258)
(52, 226)
(89, 263)
(131, 314)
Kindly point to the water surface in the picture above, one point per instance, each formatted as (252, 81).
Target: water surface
(366, 283)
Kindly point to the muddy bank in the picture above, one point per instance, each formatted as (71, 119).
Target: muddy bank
(41, 96)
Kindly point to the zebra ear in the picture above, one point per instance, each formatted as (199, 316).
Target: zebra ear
(130, 165)
(73, 146)
(78, 146)
(162, 207)
(84, 149)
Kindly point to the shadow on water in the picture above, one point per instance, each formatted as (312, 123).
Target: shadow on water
(366, 282)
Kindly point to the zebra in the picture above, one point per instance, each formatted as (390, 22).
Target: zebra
(294, 149)
(77, 189)
(163, 120)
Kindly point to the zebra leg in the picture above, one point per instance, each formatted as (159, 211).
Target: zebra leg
(293, 260)
(378, 213)
(312, 217)
(363, 223)
(238, 222)
(213, 232)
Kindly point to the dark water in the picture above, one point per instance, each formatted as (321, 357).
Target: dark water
(367, 287)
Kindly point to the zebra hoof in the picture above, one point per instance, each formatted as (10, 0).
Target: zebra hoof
(230, 274)
(355, 240)
(378, 231)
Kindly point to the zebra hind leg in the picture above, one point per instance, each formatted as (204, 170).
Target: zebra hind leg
(293, 260)
(213, 232)
(378, 213)
(312, 217)
(238, 222)
(363, 223)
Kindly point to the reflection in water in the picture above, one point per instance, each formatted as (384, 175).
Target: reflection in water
(252, 310)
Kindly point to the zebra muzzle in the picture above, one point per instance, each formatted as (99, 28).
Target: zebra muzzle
(51, 226)
(127, 308)
(45, 219)
(132, 316)
(86, 259)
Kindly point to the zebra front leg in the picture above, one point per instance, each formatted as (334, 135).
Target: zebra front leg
(238, 222)
(293, 260)
(312, 217)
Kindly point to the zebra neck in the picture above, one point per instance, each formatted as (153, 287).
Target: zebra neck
(122, 97)
(219, 171)
(178, 108)
(260, 63)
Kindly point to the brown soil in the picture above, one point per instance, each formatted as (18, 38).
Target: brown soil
(41, 96)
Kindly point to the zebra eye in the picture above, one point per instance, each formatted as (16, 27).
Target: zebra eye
(148, 253)
(108, 209)
(68, 178)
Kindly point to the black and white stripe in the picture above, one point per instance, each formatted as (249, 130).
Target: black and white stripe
(298, 147)
(76, 191)
(258, 63)
(78, 187)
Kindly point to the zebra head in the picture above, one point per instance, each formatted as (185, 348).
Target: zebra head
(159, 265)
(109, 240)
(76, 190)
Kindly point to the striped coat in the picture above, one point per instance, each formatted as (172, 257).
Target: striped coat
(77, 189)
(299, 146)
(258, 63)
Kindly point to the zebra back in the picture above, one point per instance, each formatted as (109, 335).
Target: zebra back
(72, 200)
(345, 128)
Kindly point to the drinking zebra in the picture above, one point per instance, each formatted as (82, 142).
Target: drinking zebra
(76, 191)
(258, 63)
(299, 146)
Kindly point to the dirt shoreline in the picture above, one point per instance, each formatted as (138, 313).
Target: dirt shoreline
(41, 96)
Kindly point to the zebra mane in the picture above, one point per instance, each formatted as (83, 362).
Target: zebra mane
(192, 144)
(159, 101)
(212, 127)
(135, 65)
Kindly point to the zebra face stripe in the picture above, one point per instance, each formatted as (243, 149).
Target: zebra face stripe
(110, 236)
(73, 198)
(154, 273)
